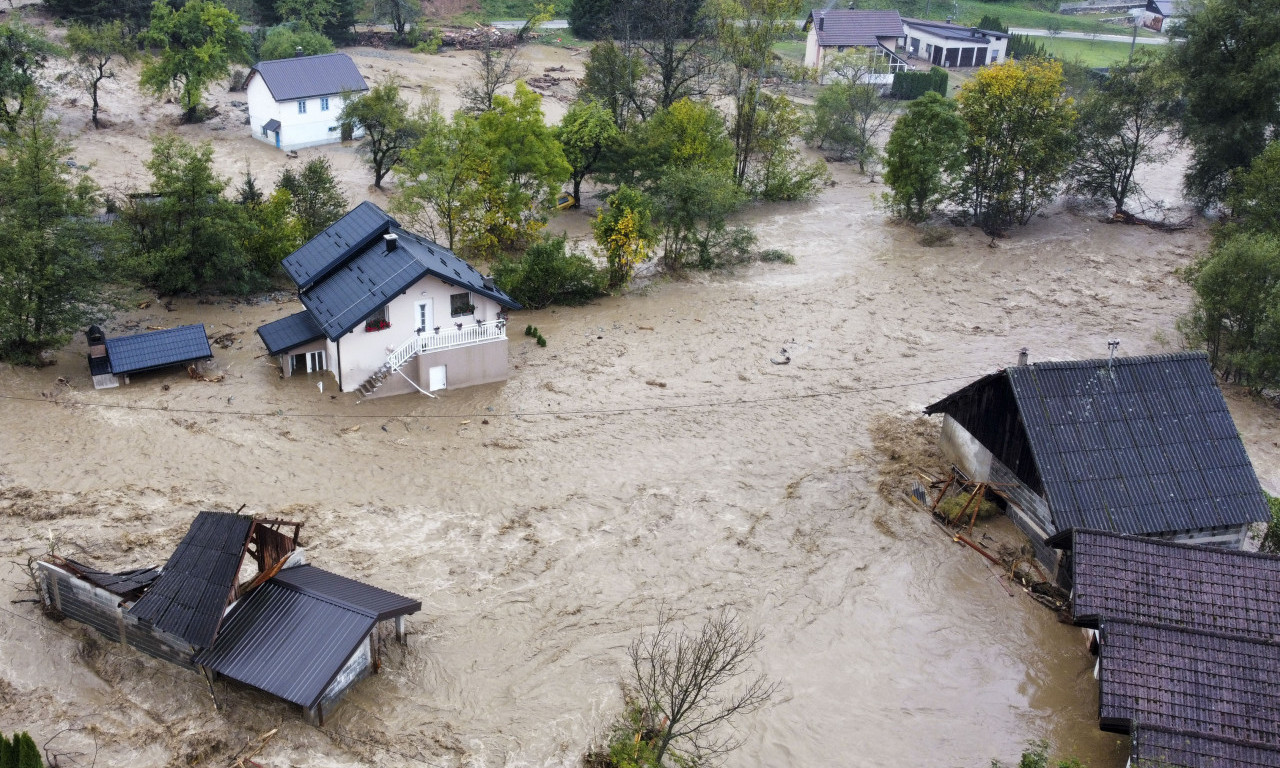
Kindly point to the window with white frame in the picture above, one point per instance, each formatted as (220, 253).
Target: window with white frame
(324, 104)
(302, 107)
(460, 304)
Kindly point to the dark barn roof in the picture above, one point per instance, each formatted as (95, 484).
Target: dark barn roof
(1145, 445)
(1216, 685)
(157, 349)
(289, 332)
(1163, 748)
(293, 635)
(1183, 585)
(346, 273)
(193, 589)
(955, 31)
(839, 26)
(302, 77)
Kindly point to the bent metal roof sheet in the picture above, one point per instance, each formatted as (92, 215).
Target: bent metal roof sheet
(292, 635)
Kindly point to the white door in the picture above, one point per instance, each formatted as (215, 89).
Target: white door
(435, 378)
(426, 316)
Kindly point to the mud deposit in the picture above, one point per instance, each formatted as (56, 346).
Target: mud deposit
(542, 521)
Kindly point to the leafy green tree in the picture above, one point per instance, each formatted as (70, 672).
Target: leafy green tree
(747, 31)
(441, 177)
(848, 116)
(1236, 313)
(23, 53)
(1019, 123)
(780, 172)
(685, 134)
(1227, 64)
(400, 14)
(389, 128)
(272, 231)
(692, 205)
(284, 40)
(93, 49)
(546, 274)
(134, 14)
(1123, 123)
(186, 237)
(314, 196)
(335, 18)
(50, 280)
(1254, 196)
(675, 39)
(197, 43)
(585, 134)
(28, 753)
(591, 19)
(611, 78)
(924, 157)
(624, 230)
(497, 66)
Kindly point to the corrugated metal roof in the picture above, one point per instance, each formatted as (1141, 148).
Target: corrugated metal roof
(288, 332)
(1220, 686)
(195, 585)
(1184, 585)
(838, 26)
(1163, 748)
(156, 349)
(303, 77)
(1145, 445)
(292, 635)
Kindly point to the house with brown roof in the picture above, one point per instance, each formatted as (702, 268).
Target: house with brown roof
(876, 35)
(1188, 644)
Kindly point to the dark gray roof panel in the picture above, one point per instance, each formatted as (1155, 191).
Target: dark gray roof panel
(1163, 748)
(195, 585)
(325, 252)
(302, 77)
(284, 334)
(449, 267)
(123, 583)
(286, 642)
(349, 593)
(362, 285)
(840, 26)
(1222, 686)
(1205, 588)
(156, 349)
(955, 31)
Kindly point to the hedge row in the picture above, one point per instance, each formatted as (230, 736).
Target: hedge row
(913, 85)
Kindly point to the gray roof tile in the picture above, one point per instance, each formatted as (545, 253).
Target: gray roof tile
(289, 332)
(156, 349)
(840, 26)
(302, 77)
(1161, 748)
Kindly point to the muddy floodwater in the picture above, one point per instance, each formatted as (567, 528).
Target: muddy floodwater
(650, 453)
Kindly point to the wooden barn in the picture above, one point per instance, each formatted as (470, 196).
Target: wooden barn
(1139, 445)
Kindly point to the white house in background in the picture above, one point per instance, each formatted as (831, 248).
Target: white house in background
(295, 103)
(944, 44)
(1160, 14)
(876, 33)
(390, 312)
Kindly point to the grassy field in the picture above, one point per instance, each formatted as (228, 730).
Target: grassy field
(1090, 53)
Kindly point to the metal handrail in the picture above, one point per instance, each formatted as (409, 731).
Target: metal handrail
(434, 342)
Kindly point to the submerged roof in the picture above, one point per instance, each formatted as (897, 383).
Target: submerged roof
(293, 635)
(955, 31)
(301, 77)
(1215, 685)
(156, 349)
(123, 583)
(347, 272)
(1183, 585)
(1141, 445)
(838, 26)
(196, 583)
(289, 332)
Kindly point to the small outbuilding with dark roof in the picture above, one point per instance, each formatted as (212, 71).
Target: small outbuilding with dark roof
(944, 44)
(874, 34)
(1141, 445)
(295, 102)
(389, 311)
(111, 360)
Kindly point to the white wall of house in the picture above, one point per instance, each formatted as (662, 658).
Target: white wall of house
(317, 125)
(363, 352)
(923, 44)
(812, 52)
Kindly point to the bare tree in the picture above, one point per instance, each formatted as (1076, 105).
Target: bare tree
(694, 683)
(499, 65)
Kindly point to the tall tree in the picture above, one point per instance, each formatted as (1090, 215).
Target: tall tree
(197, 43)
(441, 179)
(611, 78)
(1254, 197)
(497, 66)
(1231, 84)
(1123, 123)
(1019, 123)
(747, 31)
(389, 128)
(314, 196)
(93, 49)
(848, 117)
(400, 14)
(624, 230)
(779, 171)
(585, 134)
(675, 38)
(924, 157)
(23, 53)
(590, 19)
(284, 40)
(50, 278)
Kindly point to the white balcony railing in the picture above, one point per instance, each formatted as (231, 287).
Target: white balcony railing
(430, 341)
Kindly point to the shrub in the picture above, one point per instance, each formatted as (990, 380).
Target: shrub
(913, 85)
(546, 274)
(1271, 537)
(776, 256)
(952, 506)
(542, 341)
(934, 237)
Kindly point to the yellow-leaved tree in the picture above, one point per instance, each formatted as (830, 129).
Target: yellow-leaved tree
(624, 230)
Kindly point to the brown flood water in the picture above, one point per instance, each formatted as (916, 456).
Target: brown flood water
(543, 541)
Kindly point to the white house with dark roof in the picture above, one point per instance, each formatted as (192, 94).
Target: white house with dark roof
(389, 312)
(950, 45)
(295, 103)
(875, 33)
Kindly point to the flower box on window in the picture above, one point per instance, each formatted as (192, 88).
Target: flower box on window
(380, 324)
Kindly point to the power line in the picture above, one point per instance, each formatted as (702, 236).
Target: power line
(507, 414)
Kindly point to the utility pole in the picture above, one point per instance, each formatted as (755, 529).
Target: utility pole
(1134, 42)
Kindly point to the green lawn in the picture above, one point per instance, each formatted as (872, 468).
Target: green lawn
(790, 49)
(1090, 53)
(1020, 13)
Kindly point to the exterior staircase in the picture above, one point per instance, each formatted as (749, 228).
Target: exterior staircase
(422, 343)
